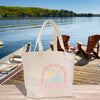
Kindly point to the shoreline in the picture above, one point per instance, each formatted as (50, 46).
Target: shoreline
(46, 17)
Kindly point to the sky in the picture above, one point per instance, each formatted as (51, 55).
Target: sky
(78, 6)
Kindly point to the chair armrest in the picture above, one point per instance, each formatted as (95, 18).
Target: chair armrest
(84, 45)
(80, 43)
(51, 43)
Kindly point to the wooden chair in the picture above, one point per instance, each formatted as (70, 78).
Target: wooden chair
(92, 47)
(65, 41)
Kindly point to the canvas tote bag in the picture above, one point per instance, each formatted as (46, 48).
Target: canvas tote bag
(48, 73)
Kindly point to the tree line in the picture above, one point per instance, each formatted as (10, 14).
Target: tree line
(37, 12)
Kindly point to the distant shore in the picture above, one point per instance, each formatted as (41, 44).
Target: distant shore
(1, 18)
(27, 12)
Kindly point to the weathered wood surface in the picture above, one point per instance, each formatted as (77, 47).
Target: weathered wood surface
(81, 92)
(11, 66)
(86, 72)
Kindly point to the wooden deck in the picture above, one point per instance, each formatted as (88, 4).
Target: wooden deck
(11, 64)
(80, 92)
(85, 72)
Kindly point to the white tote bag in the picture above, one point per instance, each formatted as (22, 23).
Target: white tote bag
(48, 73)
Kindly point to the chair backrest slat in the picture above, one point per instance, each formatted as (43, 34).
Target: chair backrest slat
(65, 41)
(92, 42)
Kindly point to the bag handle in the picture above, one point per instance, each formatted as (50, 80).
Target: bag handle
(56, 32)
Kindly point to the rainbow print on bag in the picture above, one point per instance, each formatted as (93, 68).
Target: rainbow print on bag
(53, 76)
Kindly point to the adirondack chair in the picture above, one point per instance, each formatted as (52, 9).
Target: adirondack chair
(65, 41)
(92, 47)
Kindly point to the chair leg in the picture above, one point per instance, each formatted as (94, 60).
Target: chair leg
(86, 55)
(79, 47)
(82, 51)
(51, 46)
(96, 55)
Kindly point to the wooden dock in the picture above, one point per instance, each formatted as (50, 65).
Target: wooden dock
(85, 72)
(80, 92)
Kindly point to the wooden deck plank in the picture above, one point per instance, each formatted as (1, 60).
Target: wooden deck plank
(85, 72)
(81, 92)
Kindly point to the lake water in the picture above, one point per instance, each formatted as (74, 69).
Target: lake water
(15, 33)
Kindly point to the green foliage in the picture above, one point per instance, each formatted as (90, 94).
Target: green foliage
(85, 15)
(37, 12)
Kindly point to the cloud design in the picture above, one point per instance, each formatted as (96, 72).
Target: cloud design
(55, 79)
